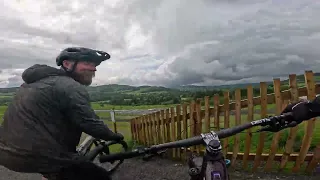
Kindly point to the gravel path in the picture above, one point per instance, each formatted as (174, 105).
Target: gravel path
(160, 169)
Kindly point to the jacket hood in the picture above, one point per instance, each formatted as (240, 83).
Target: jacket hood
(39, 71)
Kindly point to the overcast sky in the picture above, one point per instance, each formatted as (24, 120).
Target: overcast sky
(165, 42)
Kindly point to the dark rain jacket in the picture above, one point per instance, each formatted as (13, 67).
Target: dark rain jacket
(43, 124)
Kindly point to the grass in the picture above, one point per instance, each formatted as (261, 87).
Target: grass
(118, 116)
(97, 106)
(2, 110)
(269, 106)
(124, 129)
(106, 115)
(5, 96)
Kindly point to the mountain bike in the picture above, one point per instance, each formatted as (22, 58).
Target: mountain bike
(212, 165)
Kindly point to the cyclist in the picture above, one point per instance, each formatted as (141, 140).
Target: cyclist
(51, 109)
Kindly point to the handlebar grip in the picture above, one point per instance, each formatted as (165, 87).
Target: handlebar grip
(122, 143)
(119, 156)
(91, 155)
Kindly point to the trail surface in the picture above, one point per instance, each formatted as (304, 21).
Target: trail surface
(161, 169)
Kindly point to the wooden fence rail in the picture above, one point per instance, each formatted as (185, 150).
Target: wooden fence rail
(281, 150)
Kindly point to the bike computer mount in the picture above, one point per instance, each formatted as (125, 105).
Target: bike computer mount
(212, 142)
(198, 165)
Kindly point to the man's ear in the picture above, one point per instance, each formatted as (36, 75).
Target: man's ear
(67, 64)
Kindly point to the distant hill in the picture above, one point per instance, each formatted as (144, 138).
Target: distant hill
(128, 89)
(221, 87)
(8, 90)
(300, 81)
(125, 94)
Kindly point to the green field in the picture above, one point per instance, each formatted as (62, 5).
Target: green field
(106, 115)
(97, 106)
(124, 127)
(2, 109)
(269, 106)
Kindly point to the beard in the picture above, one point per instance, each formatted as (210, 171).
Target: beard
(84, 77)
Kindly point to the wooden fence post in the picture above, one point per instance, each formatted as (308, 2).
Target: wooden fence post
(185, 127)
(226, 120)
(216, 102)
(238, 122)
(144, 130)
(207, 113)
(198, 122)
(168, 125)
(192, 122)
(262, 135)
(178, 134)
(276, 136)
(173, 130)
(293, 131)
(158, 125)
(139, 130)
(310, 84)
(163, 129)
(250, 118)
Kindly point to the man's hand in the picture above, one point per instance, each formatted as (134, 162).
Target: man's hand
(117, 137)
(300, 112)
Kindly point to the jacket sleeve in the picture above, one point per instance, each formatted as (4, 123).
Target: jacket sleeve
(79, 111)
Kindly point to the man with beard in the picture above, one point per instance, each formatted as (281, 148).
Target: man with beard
(44, 123)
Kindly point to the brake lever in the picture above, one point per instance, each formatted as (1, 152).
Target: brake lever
(271, 129)
(278, 128)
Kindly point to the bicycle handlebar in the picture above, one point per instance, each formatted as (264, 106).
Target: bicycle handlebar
(274, 122)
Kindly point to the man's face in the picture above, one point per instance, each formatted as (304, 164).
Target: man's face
(83, 72)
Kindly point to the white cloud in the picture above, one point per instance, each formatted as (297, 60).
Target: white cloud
(205, 42)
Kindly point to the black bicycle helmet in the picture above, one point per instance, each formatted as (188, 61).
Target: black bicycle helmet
(82, 54)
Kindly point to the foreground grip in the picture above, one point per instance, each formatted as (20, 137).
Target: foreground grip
(122, 143)
(104, 148)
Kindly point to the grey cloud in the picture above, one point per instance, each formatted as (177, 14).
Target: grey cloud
(196, 42)
(275, 40)
(15, 81)
(10, 77)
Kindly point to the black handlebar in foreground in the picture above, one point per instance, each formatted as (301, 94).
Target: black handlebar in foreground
(274, 124)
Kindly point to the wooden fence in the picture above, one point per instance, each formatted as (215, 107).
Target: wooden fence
(188, 120)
